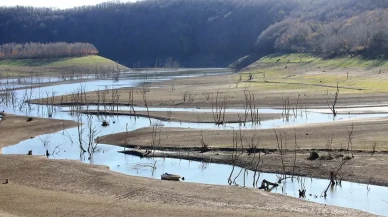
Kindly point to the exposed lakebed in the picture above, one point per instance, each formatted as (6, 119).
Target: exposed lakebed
(62, 145)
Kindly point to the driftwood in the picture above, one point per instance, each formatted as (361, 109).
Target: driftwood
(139, 153)
(266, 185)
(331, 184)
(333, 177)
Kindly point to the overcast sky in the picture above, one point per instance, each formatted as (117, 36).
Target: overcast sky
(53, 3)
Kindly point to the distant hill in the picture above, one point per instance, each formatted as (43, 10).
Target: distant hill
(59, 66)
(207, 33)
(331, 28)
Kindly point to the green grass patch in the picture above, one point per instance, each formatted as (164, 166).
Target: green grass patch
(338, 62)
(54, 66)
(57, 62)
(312, 73)
(289, 58)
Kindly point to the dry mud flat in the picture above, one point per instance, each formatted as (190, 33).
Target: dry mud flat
(330, 135)
(200, 92)
(14, 129)
(42, 187)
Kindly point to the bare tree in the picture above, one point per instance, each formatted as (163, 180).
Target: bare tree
(333, 177)
(281, 140)
(86, 136)
(333, 105)
(219, 108)
(206, 95)
(350, 139)
(144, 93)
(155, 141)
(250, 108)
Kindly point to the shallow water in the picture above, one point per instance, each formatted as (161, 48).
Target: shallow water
(350, 195)
(303, 117)
(63, 145)
(356, 110)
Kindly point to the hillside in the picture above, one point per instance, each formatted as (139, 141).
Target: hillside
(58, 66)
(201, 33)
(331, 28)
(308, 73)
(207, 33)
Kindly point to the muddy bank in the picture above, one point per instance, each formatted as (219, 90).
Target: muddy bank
(365, 139)
(202, 92)
(80, 189)
(366, 135)
(14, 129)
(363, 167)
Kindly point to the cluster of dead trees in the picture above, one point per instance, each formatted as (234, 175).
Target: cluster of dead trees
(48, 50)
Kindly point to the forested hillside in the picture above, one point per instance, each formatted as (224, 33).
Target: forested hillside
(49, 50)
(331, 28)
(206, 32)
(194, 32)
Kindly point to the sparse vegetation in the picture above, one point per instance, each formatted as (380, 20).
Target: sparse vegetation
(296, 89)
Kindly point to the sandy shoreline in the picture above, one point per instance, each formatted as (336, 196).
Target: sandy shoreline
(79, 187)
(14, 129)
(42, 187)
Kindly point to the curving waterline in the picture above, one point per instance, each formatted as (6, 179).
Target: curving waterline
(59, 145)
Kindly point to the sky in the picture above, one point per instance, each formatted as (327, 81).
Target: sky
(61, 4)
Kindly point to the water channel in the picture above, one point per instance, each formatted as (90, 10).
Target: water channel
(61, 145)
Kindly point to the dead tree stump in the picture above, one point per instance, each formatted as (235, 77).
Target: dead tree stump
(105, 123)
(302, 193)
(313, 155)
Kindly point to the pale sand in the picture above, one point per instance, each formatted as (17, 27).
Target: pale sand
(14, 129)
(41, 187)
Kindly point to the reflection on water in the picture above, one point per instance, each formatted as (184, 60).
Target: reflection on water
(351, 195)
(64, 145)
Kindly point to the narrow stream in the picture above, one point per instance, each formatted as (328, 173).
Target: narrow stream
(62, 145)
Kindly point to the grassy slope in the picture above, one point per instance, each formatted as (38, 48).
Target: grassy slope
(311, 73)
(336, 62)
(57, 65)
